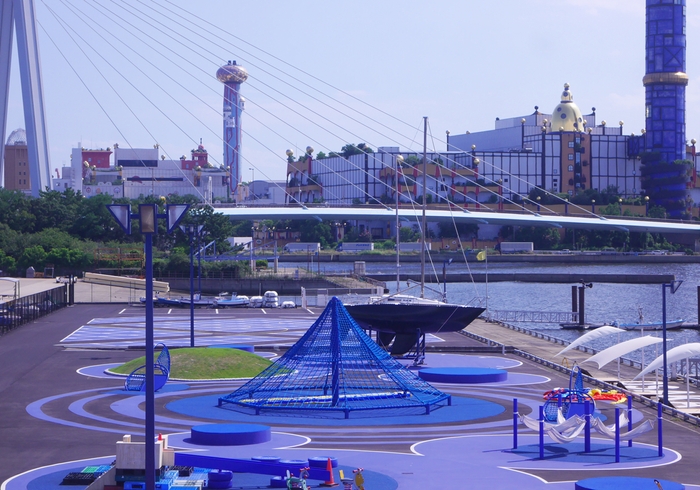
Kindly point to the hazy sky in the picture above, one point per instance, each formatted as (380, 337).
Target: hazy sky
(386, 64)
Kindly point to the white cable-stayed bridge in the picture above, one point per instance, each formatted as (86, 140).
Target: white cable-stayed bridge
(323, 213)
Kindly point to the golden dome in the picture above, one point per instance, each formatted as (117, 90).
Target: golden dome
(232, 73)
(567, 116)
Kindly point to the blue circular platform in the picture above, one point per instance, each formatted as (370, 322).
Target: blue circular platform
(622, 482)
(322, 462)
(245, 347)
(230, 434)
(267, 459)
(466, 375)
(295, 462)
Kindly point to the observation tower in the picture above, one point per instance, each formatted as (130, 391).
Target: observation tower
(232, 76)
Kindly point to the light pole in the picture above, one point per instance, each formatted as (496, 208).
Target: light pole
(593, 206)
(646, 205)
(619, 200)
(148, 221)
(445, 263)
(673, 287)
(251, 183)
(190, 230)
(399, 161)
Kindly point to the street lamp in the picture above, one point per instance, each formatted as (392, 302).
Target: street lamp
(673, 287)
(539, 198)
(190, 231)
(646, 204)
(251, 183)
(148, 221)
(445, 263)
(399, 161)
(593, 206)
(619, 200)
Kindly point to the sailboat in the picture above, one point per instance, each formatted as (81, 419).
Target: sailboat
(405, 319)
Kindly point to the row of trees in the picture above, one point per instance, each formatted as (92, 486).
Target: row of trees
(66, 230)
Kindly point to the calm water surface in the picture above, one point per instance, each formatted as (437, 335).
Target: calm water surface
(605, 303)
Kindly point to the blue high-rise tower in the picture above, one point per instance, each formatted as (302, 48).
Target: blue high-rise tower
(664, 181)
(665, 79)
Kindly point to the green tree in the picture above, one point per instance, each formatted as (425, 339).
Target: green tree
(217, 226)
(358, 149)
(55, 209)
(66, 260)
(465, 230)
(542, 238)
(8, 265)
(316, 231)
(408, 234)
(15, 211)
(95, 222)
(33, 257)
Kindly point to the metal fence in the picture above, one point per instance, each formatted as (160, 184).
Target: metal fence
(28, 308)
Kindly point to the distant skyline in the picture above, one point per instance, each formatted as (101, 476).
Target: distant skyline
(462, 64)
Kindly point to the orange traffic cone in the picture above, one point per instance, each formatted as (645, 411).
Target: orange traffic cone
(330, 482)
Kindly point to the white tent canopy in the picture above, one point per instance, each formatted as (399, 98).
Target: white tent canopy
(619, 350)
(592, 335)
(676, 354)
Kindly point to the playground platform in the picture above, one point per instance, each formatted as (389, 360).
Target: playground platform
(62, 412)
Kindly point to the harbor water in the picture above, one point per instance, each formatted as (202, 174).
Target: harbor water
(604, 302)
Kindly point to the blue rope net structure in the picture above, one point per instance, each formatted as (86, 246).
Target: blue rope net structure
(335, 369)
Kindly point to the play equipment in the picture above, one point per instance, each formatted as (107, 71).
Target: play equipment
(335, 369)
(359, 479)
(565, 430)
(612, 396)
(299, 482)
(567, 402)
(136, 381)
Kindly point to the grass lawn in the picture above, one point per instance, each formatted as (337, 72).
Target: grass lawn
(206, 363)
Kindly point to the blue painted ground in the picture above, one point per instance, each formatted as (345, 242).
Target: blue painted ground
(463, 409)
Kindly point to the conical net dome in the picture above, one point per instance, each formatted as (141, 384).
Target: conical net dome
(335, 369)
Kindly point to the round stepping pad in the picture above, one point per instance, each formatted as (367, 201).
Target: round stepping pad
(301, 463)
(464, 375)
(618, 482)
(322, 462)
(267, 459)
(230, 434)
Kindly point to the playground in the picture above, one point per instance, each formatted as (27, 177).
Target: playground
(87, 412)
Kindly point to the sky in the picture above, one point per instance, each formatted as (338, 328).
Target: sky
(324, 74)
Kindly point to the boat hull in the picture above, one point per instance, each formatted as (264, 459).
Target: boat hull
(412, 319)
(227, 303)
(650, 326)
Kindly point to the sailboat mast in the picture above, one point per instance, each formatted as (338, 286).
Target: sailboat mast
(424, 233)
(399, 159)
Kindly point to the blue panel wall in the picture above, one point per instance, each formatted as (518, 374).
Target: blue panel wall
(665, 103)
